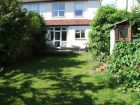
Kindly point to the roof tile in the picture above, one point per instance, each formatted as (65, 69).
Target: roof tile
(68, 22)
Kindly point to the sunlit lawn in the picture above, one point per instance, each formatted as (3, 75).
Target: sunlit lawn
(62, 80)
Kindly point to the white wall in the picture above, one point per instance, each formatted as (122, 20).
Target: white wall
(112, 40)
(90, 9)
(109, 2)
(77, 42)
(121, 4)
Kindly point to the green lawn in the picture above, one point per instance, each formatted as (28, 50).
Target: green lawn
(62, 80)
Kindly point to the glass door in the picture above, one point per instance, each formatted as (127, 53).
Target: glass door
(57, 39)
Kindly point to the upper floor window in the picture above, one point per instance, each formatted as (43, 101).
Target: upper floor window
(78, 9)
(58, 9)
(34, 7)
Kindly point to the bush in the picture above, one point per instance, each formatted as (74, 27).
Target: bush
(125, 62)
(13, 28)
(37, 33)
(22, 33)
(100, 33)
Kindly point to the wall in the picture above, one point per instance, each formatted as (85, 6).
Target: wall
(77, 42)
(112, 40)
(121, 4)
(90, 9)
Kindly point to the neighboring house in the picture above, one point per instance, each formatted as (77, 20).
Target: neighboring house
(126, 4)
(68, 20)
(121, 4)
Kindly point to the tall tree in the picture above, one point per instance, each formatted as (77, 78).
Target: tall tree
(13, 27)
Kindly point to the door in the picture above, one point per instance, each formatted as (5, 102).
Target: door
(57, 38)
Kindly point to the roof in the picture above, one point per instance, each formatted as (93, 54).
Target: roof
(117, 23)
(68, 22)
(29, 1)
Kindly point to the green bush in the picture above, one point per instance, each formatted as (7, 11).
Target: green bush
(100, 33)
(125, 62)
(22, 33)
(37, 31)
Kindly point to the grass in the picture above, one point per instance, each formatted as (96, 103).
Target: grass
(62, 80)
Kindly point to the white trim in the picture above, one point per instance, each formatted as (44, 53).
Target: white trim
(75, 9)
(60, 31)
(80, 32)
(58, 15)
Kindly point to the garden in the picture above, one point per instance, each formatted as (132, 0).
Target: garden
(28, 76)
(60, 80)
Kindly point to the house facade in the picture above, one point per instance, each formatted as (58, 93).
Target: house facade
(68, 20)
(121, 4)
(126, 4)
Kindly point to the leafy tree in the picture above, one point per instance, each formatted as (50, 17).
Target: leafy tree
(21, 32)
(13, 28)
(38, 32)
(99, 35)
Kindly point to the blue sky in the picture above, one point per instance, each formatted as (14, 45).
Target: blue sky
(108, 2)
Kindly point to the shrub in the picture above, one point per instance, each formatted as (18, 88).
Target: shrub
(124, 63)
(100, 33)
(13, 28)
(37, 31)
(21, 33)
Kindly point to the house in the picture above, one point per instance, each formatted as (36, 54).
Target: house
(121, 4)
(68, 20)
(126, 4)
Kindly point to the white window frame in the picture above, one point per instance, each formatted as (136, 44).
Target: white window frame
(61, 30)
(80, 32)
(58, 11)
(81, 3)
(34, 7)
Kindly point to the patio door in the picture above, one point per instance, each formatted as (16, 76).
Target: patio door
(57, 38)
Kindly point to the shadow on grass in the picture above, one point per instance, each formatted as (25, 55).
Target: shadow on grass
(66, 88)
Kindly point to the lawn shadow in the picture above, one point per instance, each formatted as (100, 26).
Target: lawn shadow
(66, 88)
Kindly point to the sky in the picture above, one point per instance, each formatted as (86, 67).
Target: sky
(108, 2)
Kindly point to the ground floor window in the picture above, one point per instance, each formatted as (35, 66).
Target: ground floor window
(79, 34)
(58, 35)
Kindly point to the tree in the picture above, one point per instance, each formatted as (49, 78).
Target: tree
(37, 30)
(13, 27)
(22, 33)
(99, 35)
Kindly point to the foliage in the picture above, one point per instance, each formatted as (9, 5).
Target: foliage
(125, 62)
(21, 33)
(135, 20)
(99, 36)
(13, 25)
(38, 32)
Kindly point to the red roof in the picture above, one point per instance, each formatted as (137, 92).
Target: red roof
(28, 1)
(68, 22)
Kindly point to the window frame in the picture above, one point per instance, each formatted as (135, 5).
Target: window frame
(77, 10)
(34, 7)
(129, 35)
(58, 10)
(79, 31)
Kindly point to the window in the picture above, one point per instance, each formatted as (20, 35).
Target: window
(34, 7)
(78, 9)
(123, 32)
(80, 34)
(57, 33)
(64, 35)
(58, 9)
